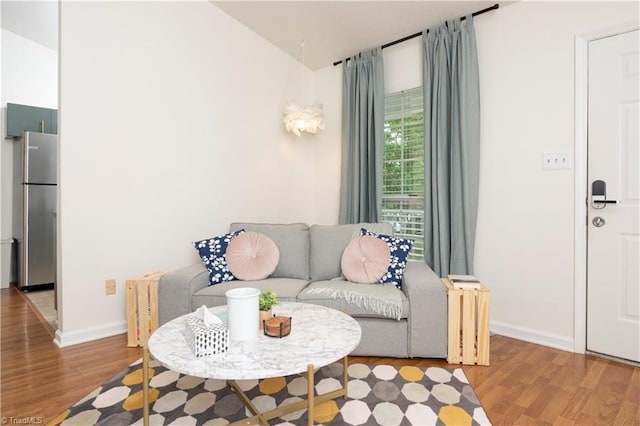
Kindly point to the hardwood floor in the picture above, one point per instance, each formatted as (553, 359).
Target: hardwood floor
(526, 384)
(39, 379)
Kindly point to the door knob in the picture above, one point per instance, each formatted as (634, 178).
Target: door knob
(599, 195)
(598, 222)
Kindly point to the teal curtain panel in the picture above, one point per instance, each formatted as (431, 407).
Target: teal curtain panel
(452, 145)
(362, 138)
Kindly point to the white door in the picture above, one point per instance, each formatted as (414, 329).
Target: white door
(613, 280)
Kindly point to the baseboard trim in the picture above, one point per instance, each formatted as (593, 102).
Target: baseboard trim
(533, 336)
(64, 339)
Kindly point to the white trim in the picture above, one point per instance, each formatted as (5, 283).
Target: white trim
(88, 334)
(580, 177)
(532, 336)
(581, 194)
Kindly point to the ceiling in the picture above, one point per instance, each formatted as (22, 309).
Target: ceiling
(331, 30)
(334, 30)
(33, 20)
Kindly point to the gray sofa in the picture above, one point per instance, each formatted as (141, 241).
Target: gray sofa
(308, 270)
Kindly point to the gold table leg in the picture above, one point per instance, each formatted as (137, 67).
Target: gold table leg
(257, 416)
(145, 385)
(309, 403)
(311, 393)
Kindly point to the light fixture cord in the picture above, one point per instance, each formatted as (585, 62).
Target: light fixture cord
(300, 47)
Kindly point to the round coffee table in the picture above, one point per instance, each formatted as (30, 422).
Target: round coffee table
(319, 336)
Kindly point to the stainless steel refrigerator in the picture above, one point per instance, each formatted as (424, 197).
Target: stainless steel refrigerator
(34, 205)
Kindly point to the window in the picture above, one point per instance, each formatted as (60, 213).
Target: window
(403, 172)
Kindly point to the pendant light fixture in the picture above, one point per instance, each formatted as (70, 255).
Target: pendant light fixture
(299, 118)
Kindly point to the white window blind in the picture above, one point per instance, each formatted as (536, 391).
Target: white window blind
(403, 173)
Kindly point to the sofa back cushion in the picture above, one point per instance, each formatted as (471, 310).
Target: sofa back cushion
(327, 243)
(293, 244)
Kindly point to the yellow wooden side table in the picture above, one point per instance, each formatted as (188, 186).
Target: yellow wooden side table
(468, 327)
(142, 320)
(142, 308)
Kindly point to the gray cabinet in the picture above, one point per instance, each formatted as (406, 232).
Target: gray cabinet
(25, 118)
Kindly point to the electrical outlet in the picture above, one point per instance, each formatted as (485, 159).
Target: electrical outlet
(555, 160)
(110, 286)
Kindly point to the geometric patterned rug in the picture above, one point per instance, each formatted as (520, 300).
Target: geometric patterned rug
(378, 395)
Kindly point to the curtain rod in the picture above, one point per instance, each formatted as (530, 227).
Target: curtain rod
(409, 37)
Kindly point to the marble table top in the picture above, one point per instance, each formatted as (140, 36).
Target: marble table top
(319, 336)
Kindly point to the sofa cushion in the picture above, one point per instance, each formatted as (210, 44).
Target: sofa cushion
(293, 244)
(399, 249)
(365, 259)
(286, 290)
(252, 256)
(324, 293)
(212, 253)
(327, 243)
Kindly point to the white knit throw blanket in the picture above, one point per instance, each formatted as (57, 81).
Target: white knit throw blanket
(383, 299)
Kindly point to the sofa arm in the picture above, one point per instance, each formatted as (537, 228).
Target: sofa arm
(176, 288)
(427, 311)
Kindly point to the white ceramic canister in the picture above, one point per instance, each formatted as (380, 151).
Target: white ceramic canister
(242, 313)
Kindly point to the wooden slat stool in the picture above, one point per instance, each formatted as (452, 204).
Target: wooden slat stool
(142, 320)
(142, 307)
(468, 325)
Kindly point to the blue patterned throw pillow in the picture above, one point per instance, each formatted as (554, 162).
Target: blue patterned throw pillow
(212, 251)
(399, 249)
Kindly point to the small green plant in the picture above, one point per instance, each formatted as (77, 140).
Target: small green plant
(267, 300)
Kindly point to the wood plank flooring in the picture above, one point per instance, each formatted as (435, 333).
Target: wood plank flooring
(39, 379)
(526, 384)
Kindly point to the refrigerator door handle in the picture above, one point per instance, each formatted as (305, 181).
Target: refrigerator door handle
(25, 156)
(24, 267)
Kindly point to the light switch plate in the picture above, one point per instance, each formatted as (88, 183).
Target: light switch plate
(555, 160)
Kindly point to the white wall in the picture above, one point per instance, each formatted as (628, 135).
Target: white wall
(328, 148)
(29, 77)
(524, 248)
(170, 129)
(403, 66)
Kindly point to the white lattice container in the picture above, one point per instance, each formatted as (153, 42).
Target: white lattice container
(206, 339)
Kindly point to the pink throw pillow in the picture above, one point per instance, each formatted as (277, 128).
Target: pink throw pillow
(252, 257)
(365, 260)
